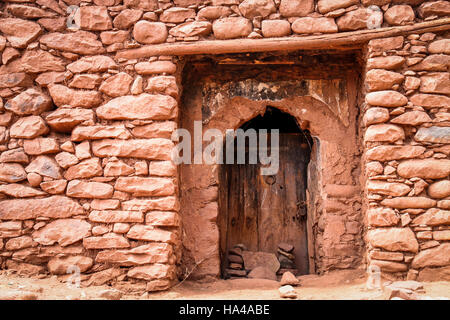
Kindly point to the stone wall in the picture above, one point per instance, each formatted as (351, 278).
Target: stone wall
(85, 170)
(407, 136)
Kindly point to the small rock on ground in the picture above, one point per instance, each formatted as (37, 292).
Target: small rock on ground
(287, 292)
(110, 294)
(288, 278)
(409, 285)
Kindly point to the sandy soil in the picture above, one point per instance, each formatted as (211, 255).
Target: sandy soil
(346, 285)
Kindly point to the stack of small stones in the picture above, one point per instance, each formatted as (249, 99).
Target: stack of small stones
(236, 262)
(286, 257)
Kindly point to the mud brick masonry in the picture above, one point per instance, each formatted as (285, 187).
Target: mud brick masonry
(89, 98)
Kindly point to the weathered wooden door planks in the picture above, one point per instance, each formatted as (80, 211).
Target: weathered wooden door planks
(262, 211)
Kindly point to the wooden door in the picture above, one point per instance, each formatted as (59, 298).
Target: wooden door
(262, 211)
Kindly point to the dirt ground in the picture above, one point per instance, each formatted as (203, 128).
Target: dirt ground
(337, 285)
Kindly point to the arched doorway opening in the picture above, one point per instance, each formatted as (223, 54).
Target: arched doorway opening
(266, 213)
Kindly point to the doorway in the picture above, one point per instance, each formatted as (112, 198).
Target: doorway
(262, 212)
(226, 92)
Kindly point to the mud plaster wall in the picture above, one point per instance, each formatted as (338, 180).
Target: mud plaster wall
(85, 171)
(229, 97)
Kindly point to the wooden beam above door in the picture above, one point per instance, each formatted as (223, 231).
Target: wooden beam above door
(340, 41)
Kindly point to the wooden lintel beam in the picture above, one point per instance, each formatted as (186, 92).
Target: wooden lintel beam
(341, 41)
